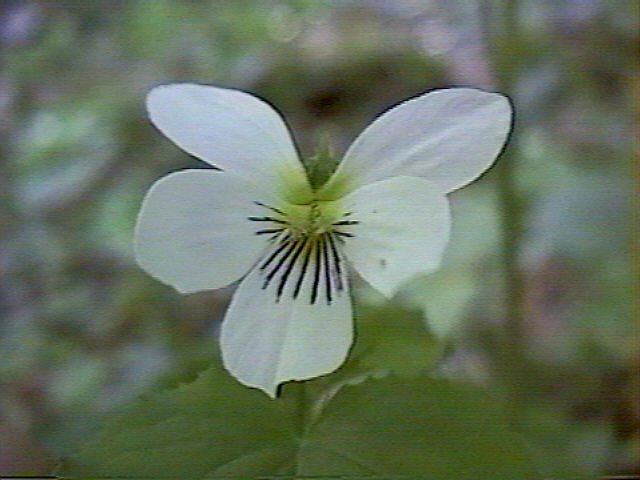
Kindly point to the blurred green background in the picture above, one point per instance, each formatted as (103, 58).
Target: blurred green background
(536, 295)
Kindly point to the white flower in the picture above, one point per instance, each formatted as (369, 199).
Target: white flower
(383, 212)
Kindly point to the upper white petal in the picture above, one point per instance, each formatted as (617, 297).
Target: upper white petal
(229, 129)
(403, 230)
(447, 136)
(193, 231)
(266, 341)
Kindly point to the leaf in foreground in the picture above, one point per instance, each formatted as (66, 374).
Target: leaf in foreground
(215, 427)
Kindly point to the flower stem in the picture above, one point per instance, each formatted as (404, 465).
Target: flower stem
(512, 361)
(511, 220)
(510, 201)
(302, 408)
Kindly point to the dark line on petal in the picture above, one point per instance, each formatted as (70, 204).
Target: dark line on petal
(316, 275)
(270, 230)
(343, 234)
(327, 269)
(336, 261)
(289, 269)
(303, 270)
(268, 219)
(273, 209)
(283, 258)
(346, 222)
(282, 246)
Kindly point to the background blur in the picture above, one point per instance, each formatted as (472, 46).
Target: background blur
(536, 295)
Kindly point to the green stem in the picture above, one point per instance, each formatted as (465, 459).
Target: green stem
(510, 344)
(511, 211)
(511, 221)
(302, 408)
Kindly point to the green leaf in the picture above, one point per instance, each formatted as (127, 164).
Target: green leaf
(391, 337)
(215, 427)
(417, 426)
(191, 431)
(444, 296)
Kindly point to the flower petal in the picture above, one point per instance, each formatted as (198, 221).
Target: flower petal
(447, 136)
(193, 231)
(403, 230)
(268, 339)
(229, 129)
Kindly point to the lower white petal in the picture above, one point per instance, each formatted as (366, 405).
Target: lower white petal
(402, 231)
(304, 332)
(193, 231)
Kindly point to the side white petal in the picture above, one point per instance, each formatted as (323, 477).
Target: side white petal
(229, 129)
(266, 341)
(403, 230)
(193, 231)
(447, 136)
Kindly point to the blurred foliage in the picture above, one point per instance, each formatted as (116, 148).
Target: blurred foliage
(83, 331)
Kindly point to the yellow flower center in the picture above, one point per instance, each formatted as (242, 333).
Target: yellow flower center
(304, 248)
(312, 219)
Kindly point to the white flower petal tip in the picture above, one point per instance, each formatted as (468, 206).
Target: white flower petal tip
(449, 137)
(384, 212)
(231, 130)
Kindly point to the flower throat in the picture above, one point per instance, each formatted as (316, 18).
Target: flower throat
(304, 249)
